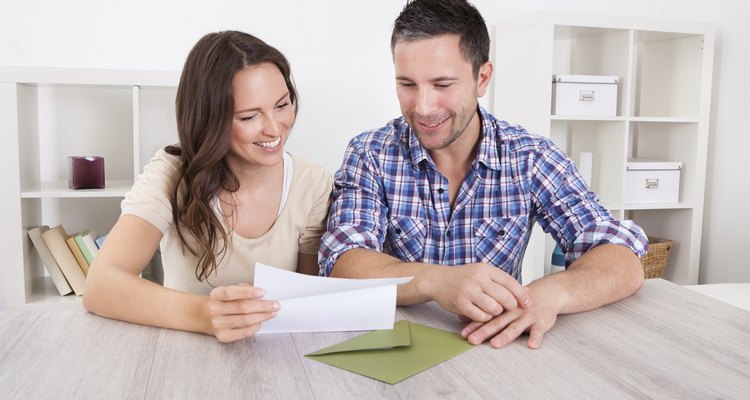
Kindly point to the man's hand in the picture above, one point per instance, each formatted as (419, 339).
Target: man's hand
(236, 312)
(478, 291)
(602, 275)
(506, 327)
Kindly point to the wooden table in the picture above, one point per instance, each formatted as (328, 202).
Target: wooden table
(664, 342)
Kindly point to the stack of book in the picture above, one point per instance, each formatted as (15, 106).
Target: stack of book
(66, 257)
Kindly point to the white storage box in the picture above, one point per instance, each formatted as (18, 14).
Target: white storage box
(651, 181)
(584, 95)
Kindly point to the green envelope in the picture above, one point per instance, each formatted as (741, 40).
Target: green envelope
(394, 355)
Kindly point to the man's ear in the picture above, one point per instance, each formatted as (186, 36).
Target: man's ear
(484, 77)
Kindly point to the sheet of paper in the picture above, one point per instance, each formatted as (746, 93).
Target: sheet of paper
(389, 357)
(319, 304)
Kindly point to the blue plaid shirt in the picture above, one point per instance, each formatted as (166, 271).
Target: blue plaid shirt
(389, 196)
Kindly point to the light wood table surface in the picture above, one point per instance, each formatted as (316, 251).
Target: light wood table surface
(665, 342)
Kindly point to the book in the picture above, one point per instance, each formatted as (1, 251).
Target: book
(86, 244)
(55, 238)
(100, 241)
(58, 278)
(89, 237)
(73, 245)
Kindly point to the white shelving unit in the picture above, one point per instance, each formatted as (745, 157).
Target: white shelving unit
(665, 70)
(48, 114)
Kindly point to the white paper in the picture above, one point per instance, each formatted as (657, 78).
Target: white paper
(319, 304)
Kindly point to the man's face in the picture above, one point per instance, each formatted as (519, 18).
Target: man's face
(437, 90)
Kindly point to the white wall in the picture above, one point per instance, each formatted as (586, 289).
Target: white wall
(341, 62)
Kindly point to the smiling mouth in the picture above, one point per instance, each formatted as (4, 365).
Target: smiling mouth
(434, 125)
(269, 145)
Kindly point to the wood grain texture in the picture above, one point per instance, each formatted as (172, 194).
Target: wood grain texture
(660, 343)
(72, 354)
(13, 325)
(665, 342)
(194, 366)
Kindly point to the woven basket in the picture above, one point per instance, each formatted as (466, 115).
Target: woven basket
(656, 259)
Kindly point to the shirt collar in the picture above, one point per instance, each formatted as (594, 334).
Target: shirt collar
(487, 153)
(412, 147)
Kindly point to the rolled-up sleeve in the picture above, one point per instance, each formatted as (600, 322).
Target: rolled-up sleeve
(567, 209)
(626, 233)
(357, 217)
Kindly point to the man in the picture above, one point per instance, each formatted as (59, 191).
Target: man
(449, 194)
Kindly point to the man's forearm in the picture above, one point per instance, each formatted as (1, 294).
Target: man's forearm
(603, 275)
(365, 263)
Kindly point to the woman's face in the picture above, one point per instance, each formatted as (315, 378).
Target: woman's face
(263, 114)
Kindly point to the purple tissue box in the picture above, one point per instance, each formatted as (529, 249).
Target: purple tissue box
(86, 172)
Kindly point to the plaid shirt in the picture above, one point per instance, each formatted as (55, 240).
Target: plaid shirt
(389, 196)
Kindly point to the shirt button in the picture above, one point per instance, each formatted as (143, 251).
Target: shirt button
(441, 190)
(447, 233)
(398, 231)
(502, 232)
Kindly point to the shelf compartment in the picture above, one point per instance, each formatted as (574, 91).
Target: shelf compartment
(57, 121)
(593, 51)
(675, 225)
(75, 214)
(606, 141)
(668, 74)
(669, 142)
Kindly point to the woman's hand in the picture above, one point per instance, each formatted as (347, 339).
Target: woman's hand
(236, 312)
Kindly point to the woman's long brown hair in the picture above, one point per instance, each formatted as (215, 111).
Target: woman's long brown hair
(205, 108)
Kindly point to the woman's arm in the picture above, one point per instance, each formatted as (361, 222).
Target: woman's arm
(114, 290)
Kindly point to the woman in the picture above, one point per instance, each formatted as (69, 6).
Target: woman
(227, 196)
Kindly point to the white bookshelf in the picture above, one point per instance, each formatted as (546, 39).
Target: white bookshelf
(48, 114)
(665, 69)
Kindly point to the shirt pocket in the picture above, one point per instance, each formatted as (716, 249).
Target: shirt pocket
(500, 241)
(406, 238)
